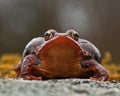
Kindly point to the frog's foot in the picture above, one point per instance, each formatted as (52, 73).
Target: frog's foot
(27, 65)
(30, 77)
(97, 68)
(102, 78)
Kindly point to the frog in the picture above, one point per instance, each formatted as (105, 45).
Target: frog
(61, 55)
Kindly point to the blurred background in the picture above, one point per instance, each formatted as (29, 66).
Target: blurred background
(96, 20)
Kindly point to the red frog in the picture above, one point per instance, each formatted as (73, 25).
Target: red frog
(59, 56)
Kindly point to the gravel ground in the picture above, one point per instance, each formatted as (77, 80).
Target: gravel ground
(63, 87)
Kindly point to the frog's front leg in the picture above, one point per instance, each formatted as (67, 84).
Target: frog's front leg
(26, 66)
(97, 68)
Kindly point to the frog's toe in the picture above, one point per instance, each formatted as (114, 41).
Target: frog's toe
(102, 78)
(36, 78)
(31, 78)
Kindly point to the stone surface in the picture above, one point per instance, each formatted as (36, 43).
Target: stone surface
(63, 87)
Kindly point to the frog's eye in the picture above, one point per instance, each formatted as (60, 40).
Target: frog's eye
(74, 34)
(49, 34)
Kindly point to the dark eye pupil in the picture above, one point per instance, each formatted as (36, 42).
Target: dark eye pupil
(46, 34)
(76, 35)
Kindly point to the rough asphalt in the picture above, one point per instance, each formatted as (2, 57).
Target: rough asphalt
(63, 87)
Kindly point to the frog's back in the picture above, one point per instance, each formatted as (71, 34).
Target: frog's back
(91, 48)
(32, 46)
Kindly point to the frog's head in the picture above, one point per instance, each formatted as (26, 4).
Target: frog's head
(60, 48)
(51, 34)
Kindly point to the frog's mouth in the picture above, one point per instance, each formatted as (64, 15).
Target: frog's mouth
(60, 55)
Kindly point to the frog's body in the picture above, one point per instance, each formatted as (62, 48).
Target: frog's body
(61, 55)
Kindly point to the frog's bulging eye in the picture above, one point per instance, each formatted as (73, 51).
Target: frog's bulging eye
(49, 34)
(73, 34)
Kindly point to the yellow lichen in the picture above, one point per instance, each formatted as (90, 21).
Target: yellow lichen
(7, 64)
(114, 69)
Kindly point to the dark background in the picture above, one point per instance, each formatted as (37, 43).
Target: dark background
(96, 20)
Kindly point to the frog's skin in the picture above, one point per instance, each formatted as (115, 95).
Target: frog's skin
(61, 55)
